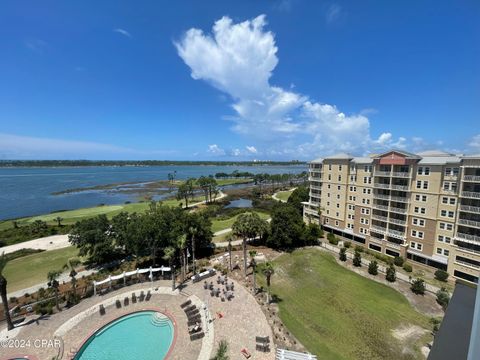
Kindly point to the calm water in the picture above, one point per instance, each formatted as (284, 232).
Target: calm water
(133, 337)
(240, 203)
(28, 191)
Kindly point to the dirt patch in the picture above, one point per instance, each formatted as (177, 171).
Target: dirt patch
(408, 335)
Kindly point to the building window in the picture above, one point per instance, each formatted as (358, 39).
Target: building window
(445, 226)
(339, 177)
(445, 213)
(339, 167)
(418, 222)
(442, 251)
(416, 246)
(417, 234)
(330, 167)
(423, 170)
(444, 239)
(336, 221)
(419, 210)
(329, 177)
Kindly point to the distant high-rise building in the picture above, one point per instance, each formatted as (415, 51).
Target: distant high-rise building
(424, 207)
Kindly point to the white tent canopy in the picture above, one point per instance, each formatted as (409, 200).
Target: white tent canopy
(124, 276)
(293, 355)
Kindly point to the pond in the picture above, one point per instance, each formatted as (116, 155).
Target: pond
(240, 203)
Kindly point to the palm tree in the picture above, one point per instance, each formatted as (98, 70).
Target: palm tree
(268, 271)
(222, 351)
(253, 263)
(59, 220)
(247, 226)
(3, 291)
(182, 246)
(193, 231)
(169, 254)
(53, 283)
(71, 265)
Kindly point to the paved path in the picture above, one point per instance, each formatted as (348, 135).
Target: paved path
(46, 243)
(274, 196)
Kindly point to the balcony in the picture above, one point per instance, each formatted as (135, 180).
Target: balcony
(397, 210)
(472, 209)
(382, 186)
(471, 194)
(393, 245)
(468, 237)
(470, 223)
(315, 187)
(379, 218)
(311, 178)
(397, 221)
(381, 196)
(401, 174)
(396, 233)
(399, 187)
(381, 207)
(399, 199)
(382, 173)
(379, 229)
(471, 178)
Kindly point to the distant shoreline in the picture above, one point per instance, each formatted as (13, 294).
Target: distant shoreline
(133, 163)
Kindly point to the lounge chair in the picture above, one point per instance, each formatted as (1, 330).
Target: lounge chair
(262, 347)
(197, 336)
(118, 304)
(192, 313)
(194, 321)
(134, 298)
(246, 353)
(149, 295)
(185, 304)
(102, 309)
(190, 308)
(142, 296)
(126, 301)
(262, 339)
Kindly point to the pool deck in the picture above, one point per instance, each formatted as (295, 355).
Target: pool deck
(242, 320)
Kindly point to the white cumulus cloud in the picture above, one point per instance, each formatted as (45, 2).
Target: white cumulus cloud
(215, 150)
(239, 59)
(251, 149)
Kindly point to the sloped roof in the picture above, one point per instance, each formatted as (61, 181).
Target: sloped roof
(434, 153)
(362, 160)
(402, 152)
(440, 160)
(317, 161)
(340, 156)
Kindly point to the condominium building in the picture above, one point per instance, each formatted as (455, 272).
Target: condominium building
(424, 207)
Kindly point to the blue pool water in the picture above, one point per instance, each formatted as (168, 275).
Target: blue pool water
(141, 335)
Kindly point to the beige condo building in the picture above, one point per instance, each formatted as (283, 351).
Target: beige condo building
(424, 207)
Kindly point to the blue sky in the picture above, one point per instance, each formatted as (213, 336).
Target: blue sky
(288, 79)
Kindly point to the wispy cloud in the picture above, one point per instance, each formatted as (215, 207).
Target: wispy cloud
(36, 45)
(123, 32)
(29, 147)
(214, 149)
(333, 14)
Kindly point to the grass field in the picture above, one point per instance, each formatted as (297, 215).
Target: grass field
(284, 195)
(338, 314)
(218, 225)
(30, 270)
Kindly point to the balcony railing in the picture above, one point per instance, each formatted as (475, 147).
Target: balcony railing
(380, 207)
(471, 194)
(472, 178)
(464, 236)
(315, 187)
(397, 221)
(381, 196)
(464, 249)
(379, 229)
(396, 233)
(398, 210)
(401, 174)
(393, 245)
(472, 209)
(382, 173)
(470, 223)
(379, 217)
(382, 186)
(399, 199)
(399, 187)
(464, 263)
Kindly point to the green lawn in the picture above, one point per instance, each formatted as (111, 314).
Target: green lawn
(338, 314)
(284, 195)
(218, 225)
(30, 270)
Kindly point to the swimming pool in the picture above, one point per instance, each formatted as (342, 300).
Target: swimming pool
(146, 335)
